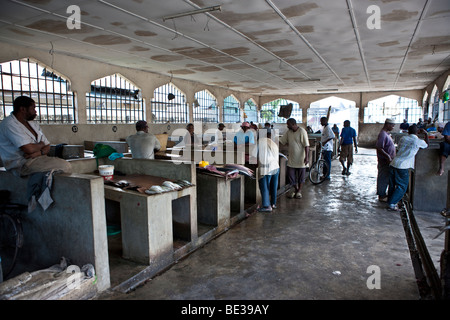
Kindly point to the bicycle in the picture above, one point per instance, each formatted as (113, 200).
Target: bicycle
(11, 233)
(319, 169)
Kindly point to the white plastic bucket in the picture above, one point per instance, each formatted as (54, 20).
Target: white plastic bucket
(106, 171)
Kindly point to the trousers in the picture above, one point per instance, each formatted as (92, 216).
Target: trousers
(268, 186)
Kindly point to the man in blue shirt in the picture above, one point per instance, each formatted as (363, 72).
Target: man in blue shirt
(348, 137)
(444, 150)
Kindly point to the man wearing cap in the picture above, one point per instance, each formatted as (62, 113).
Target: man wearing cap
(440, 129)
(245, 138)
(143, 144)
(385, 153)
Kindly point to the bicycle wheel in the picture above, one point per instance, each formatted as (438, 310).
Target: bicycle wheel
(10, 242)
(318, 171)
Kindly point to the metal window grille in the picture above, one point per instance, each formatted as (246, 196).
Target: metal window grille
(269, 111)
(250, 111)
(446, 115)
(165, 110)
(435, 108)
(113, 99)
(205, 107)
(55, 103)
(394, 107)
(231, 110)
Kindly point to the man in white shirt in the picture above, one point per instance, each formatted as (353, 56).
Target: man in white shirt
(269, 170)
(408, 147)
(143, 144)
(23, 145)
(327, 138)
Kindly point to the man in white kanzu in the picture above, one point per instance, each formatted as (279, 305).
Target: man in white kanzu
(23, 145)
(408, 147)
(327, 138)
(143, 144)
(297, 140)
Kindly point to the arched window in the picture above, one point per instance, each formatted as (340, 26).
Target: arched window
(270, 111)
(434, 103)
(169, 105)
(231, 110)
(341, 110)
(394, 107)
(250, 111)
(205, 107)
(445, 100)
(114, 99)
(55, 102)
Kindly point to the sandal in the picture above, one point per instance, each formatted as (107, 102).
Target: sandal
(385, 199)
(393, 208)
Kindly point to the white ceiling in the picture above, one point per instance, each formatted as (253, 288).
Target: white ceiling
(257, 46)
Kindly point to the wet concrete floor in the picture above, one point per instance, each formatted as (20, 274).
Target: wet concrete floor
(318, 247)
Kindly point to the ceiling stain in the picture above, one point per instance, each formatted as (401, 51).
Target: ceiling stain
(237, 66)
(199, 53)
(233, 18)
(57, 26)
(388, 43)
(256, 34)
(238, 51)
(286, 53)
(144, 33)
(298, 61)
(261, 63)
(399, 15)
(20, 32)
(138, 49)
(349, 59)
(193, 65)
(276, 43)
(107, 40)
(208, 69)
(38, 1)
(166, 58)
(299, 10)
(117, 23)
(182, 71)
(305, 29)
(219, 60)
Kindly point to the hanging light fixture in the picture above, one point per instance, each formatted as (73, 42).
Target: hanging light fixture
(190, 13)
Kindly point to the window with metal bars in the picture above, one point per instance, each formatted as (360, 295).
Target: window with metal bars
(435, 106)
(205, 107)
(269, 111)
(231, 110)
(169, 105)
(394, 107)
(445, 99)
(250, 111)
(55, 102)
(114, 99)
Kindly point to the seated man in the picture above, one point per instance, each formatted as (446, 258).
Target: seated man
(142, 143)
(23, 146)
